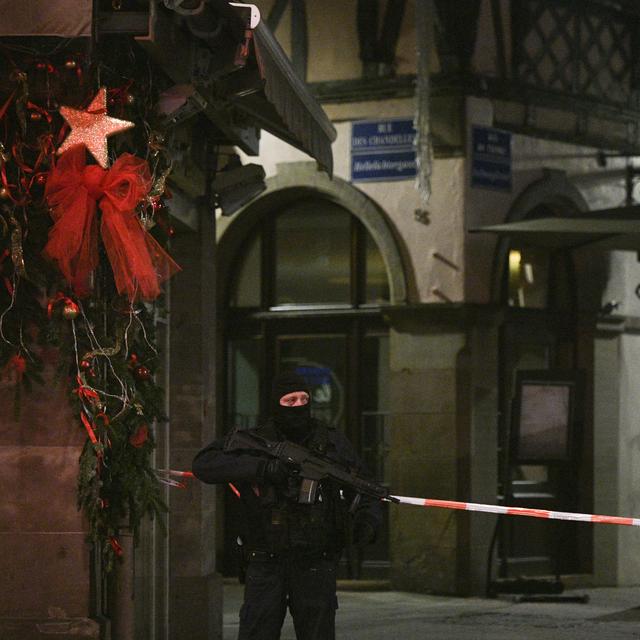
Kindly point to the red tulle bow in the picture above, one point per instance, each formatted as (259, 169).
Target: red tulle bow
(74, 191)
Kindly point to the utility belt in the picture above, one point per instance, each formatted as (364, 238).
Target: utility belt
(259, 555)
(294, 529)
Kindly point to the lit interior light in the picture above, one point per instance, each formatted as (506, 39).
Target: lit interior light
(515, 261)
(527, 272)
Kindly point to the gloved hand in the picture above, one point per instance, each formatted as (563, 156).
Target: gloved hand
(364, 530)
(277, 472)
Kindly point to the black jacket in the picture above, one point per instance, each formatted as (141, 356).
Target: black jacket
(275, 522)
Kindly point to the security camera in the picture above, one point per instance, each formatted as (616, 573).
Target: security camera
(237, 184)
(178, 103)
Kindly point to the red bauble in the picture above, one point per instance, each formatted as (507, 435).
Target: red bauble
(142, 373)
(15, 368)
(140, 436)
(70, 310)
(85, 364)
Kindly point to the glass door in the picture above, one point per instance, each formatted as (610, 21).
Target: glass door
(243, 383)
(306, 292)
(375, 442)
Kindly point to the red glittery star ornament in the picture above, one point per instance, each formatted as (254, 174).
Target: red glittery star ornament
(92, 127)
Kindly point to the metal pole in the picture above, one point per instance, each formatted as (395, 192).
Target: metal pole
(121, 598)
(424, 152)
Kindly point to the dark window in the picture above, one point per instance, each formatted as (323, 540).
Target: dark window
(582, 48)
(313, 255)
(377, 279)
(314, 252)
(246, 292)
(244, 381)
(539, 278)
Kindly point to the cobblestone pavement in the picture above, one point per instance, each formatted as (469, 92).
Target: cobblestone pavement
(610, 614)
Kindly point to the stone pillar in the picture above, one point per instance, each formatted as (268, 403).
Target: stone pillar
(616, 455)
(479, 431)
(195, 607)
(606, 421)
(443, 445)
(424, 454)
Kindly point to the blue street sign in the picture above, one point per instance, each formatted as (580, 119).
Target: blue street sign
(490, 158)
(382, 150)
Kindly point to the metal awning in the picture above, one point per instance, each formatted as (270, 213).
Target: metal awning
(289, 110)
(612, 229)
(276, 98)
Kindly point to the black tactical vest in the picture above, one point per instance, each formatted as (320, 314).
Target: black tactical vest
(305, 529)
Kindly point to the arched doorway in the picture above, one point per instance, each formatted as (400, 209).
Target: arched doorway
(304, 287)
(540, 341)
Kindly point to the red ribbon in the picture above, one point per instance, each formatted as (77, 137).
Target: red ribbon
(38, 109)
(7, 103)
(113, 541)
(88, 426)
(74, 191)
(7, 283)
(86, 393)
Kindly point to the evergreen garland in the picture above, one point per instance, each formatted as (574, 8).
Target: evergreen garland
(116, 484)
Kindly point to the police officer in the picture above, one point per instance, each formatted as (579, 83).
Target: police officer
(292, 549)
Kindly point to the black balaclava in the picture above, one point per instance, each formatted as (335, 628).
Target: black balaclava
(292, 421)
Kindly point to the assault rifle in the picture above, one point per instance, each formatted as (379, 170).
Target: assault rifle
(311, 468)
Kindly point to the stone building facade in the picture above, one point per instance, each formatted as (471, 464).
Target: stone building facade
(460, 322)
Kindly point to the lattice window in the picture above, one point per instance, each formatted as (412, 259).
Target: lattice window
(580, 48)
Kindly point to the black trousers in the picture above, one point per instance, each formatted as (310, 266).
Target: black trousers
(306, 586)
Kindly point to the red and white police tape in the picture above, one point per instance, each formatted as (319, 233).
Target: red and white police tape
(163, 476)
(518, 511)
(459, 506)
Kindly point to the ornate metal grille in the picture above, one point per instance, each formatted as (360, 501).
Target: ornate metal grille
(580, 48)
